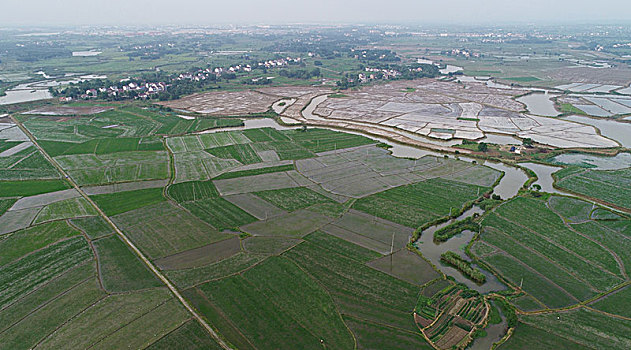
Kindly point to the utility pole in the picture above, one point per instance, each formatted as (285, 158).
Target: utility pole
(391, 251)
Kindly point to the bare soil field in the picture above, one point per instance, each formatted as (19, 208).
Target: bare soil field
(225, 103)
(369, 231)
(407, 266)
(68, 110)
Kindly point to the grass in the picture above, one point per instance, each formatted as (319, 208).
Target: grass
(65, 209)
(463, 266)
(568, 108)
(301, 298)
(234, 264)
(106, 324)
(258, 171)
(341, 247)
(612, 186)
(578, 326)
(20, 243)
(291, 199)
(102, 146)
(120, 202)
(28, 332)
(589, 259)
(52, 290)
(413, 205)
(526, 335)
(120, 268)
(93, 226)
(243, 153)
(270, 327)
(616, 303)
(192, 191)
(27, 274)
(5, 204)
(357, 289)
(191, 336)
(219, 213)
(322, 140)
(31, 187)
(163, 229)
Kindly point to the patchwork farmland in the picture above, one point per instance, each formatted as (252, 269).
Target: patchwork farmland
(289, 238)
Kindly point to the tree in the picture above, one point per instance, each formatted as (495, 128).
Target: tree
(483, 147)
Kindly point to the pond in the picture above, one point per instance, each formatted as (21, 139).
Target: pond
(432, 251)
(614, 130)
(539, 104)
(620, 161)
(544, 176)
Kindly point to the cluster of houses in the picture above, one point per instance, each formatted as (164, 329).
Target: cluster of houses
(464, 53)
(377, 73)
(142, 91)
(203, 74)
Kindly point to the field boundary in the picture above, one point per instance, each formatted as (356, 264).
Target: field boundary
(126, 240)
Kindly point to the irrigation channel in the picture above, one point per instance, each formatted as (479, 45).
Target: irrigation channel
(494, 332)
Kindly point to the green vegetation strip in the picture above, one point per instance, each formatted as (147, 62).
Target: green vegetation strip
(463, 266)
(31, 187)
(120, 202)
(445, 233)
(251, 172)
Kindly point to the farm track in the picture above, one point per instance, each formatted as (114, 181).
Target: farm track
(125, 239)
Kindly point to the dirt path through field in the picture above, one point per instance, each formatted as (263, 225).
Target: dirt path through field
(127, 241)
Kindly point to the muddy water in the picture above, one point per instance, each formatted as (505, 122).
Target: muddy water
(512, 181)
(432, 252)
(280, 106)
(620, 161)
(308, 114)
(19, 96)
(494, 333)
(539, 104)
(544, 176)
(614, 130)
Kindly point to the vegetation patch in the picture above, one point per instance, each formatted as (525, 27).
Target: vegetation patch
(419, 203)
(120, 269)
(463, 266)
(219, 213)
(163, 229)
(257, 171)
(93, 226)
(243, 153)
(31, 187)
(120, 202)
(455, 228)
(20, 243)
(291, 199)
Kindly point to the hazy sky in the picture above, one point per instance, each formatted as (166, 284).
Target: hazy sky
(151, 12)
